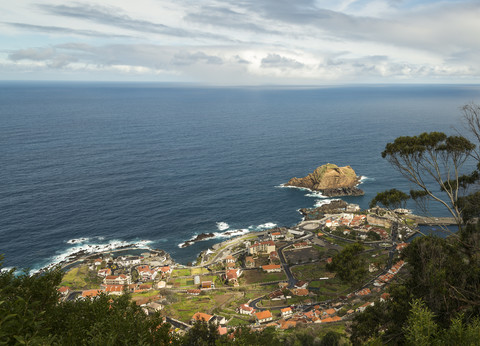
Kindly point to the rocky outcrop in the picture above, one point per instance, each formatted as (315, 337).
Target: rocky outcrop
(330, 180)
(199, 237)
(334, 207)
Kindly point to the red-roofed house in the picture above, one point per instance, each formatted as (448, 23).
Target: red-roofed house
(231, 276)
(64, 290)
(104, 272)
(244, 309)
(263, 316)
(271, 268)
(301, 245)
(114, 289)
(249, 262)
(207, 285)
(200, 316)
(91, 293)
(222, 330)
(300, 292)
(194, 292)
(286, 312)
(364, 306)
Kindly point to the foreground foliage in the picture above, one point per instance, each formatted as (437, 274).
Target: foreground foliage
(438, 299)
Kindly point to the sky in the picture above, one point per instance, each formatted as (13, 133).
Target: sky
(242, 42)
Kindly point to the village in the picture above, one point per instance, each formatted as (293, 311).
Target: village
(275, 278)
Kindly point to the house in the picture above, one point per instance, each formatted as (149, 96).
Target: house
(104, 272)
(114, 289)
(272, 268)
(146, 273)
(263, 316)
(286, 312)
(249, 262)
(207, 285)
(275, 235)
(384, 297)
(222, 330)
(262, 247)
(401, 246)
(244, 309)
(231, 276)
(273, 256)
(300, 292)
(301, 284)
(91, 293)
(364, 306)
(229, 259)
(363, 292)
(200, 316)
(64, 290)
(121, 279)
(126, 261)
(155, 306)
(287, 324)
(97, 262)
(276, 295)
(165, 270)
(194, 292)
(218, 320)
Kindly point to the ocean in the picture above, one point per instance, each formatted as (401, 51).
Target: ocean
(105, 164)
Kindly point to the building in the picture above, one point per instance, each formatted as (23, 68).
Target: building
(364, 306)
(276, 235)
(194, 292)
(263, 316)
(116, 290)
(272, 268)
(286, 312)
(91, 293)
(376, 220)
(232, 275)
(262, 247)
(244, 309)
(229, 259)
(301, 284)
(300, 291)
(249, 262)
(146, 273)
(200, 316)
(207, 285)
(121, 279)
(104, 272)
(64, 290)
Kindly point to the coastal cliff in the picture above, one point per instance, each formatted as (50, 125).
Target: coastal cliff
(330, 180)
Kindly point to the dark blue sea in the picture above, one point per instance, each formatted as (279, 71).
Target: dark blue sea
(87, 164)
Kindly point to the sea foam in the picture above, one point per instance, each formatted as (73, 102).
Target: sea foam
(222, 226)
(70, 253)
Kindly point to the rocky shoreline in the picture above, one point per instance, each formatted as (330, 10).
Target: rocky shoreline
(330, 180)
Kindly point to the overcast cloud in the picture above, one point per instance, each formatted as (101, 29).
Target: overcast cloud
(243, 42)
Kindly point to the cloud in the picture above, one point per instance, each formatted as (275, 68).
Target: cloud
(275, 60)
(114, 16)
(63, 30)
(186, 58)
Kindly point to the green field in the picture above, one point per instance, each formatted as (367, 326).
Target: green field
(258, 276)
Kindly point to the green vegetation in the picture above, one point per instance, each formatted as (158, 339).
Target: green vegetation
(349, 266)
(438, 299)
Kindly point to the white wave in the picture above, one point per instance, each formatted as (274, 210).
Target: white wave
(6, 269)
(222, 226)
(294, 187)
(77, 240)
(263, 226)
(71, 253)
(230, 234)
(316, 194)
(364, 179)
(320, 202)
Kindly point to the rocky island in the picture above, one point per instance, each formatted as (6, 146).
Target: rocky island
(330, 180)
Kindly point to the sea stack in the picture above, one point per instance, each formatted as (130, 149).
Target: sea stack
(331, 181)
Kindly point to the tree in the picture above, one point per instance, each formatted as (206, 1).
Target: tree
(349, 266)
(433, 162)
